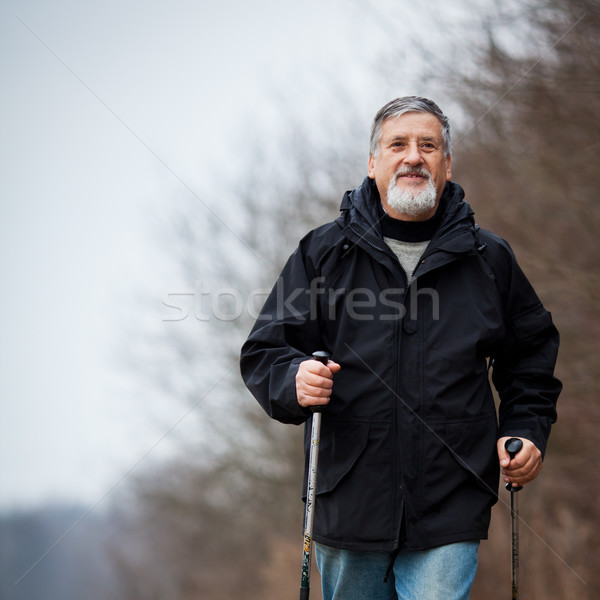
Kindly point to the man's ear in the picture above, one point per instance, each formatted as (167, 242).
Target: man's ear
(371, 170)
(449, 168)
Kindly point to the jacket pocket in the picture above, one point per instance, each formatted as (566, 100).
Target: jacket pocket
(340, 447)
(472, 444)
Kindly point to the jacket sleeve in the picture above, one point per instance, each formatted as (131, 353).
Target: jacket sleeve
(285, 334)
(523, 367)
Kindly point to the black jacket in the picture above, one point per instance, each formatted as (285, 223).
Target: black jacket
(410, 432)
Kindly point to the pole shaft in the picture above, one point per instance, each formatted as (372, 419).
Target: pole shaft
(513, 446)
(514, 514)
(311, 489)
(310, 504)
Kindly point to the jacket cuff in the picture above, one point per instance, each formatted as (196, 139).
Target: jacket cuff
(537, 433)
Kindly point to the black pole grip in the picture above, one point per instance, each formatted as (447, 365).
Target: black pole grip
(322, 357)
(513, 447)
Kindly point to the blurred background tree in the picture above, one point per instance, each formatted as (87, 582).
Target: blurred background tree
(530, 165)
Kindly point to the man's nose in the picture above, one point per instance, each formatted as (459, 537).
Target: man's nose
(413, 156)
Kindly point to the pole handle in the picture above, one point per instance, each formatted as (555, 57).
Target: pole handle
(513, 447)
(323, 357)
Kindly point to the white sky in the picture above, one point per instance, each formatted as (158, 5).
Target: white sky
(95, 97)
(103, 106)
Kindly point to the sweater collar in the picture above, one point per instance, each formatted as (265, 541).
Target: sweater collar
(411, 231)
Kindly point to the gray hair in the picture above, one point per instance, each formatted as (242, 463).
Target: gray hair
(398, 107)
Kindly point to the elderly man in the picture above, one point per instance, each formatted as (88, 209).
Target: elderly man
(415, 303)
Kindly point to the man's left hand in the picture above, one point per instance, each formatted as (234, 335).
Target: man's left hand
(524, 467)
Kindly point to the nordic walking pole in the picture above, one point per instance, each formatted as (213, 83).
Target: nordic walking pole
(512, 446)
(311, 489)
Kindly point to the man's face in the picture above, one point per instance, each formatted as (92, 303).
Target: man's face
(411, 154)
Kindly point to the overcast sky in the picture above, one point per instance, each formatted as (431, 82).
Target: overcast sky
(110, 113)
(105, 109)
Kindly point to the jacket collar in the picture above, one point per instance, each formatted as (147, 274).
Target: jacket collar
(359, 206)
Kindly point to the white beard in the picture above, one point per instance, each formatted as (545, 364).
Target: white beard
(408, 202)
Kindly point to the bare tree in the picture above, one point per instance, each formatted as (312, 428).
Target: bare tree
(529, 163)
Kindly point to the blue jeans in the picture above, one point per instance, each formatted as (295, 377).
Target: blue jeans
(442, 573)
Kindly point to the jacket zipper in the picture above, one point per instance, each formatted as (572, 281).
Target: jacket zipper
(397, 459)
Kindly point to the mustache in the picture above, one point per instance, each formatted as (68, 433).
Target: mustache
(412, 171)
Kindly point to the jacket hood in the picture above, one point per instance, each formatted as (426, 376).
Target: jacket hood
(361, 206)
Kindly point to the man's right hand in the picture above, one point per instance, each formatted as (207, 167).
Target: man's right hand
(314, 382)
